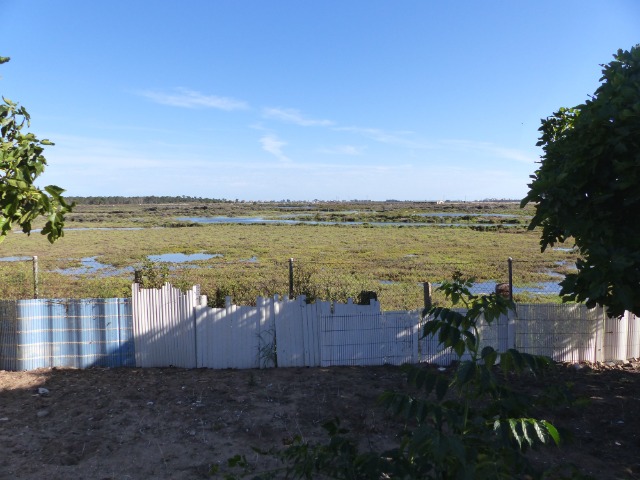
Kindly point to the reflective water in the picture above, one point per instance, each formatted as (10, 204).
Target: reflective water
(15, 259)
(470, 214)
(92, 266)
(236, 220)
(541, 288)
(284, 221)
(89, 265)
(182, 257)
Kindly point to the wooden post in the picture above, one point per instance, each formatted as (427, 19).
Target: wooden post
(35, 276)
(427, 295)
(291, 279)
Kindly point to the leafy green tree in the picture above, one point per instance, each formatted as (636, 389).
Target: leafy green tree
(21, 162)
(587, 188)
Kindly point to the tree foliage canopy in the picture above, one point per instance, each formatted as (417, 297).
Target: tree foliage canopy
(21, 162)
(587, 188)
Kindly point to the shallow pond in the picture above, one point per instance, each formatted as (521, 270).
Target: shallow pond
(541, 288)
(15, 259)
(182, 257)
(470, 214)
(565, 249)
(89, 266)
(260, 220)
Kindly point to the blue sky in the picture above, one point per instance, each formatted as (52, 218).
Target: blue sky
(332, 100)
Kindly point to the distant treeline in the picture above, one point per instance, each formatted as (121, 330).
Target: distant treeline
(149, 200)
(156, 200)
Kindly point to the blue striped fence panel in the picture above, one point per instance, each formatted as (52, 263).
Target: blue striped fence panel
(77, 333)
(8, 335)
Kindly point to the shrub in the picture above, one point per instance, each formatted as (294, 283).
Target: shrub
(465, 424)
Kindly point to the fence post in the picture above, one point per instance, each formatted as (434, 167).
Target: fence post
(601, 335)
(427, 295)
(291, 279)
(510, 261)
(35, 276)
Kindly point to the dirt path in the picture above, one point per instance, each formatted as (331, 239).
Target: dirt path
(176, 423)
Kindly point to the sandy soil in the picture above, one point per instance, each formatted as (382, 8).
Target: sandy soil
(175, 423)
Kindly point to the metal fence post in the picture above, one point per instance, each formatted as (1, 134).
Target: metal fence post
(510, 261)
(35, 276)
(291, 279)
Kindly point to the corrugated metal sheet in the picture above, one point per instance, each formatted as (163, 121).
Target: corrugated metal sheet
(8, 335)
(74, 333)
(297, 328)
(622, 337)
(167, 327)
(232, 337)
(633, 338)
(566, 333)
(363, 335)
(164, 326)
(500, 334)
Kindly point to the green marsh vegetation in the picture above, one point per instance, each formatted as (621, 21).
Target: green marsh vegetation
(332, 261)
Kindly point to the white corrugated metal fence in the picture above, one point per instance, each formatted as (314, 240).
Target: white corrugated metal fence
(166, 327)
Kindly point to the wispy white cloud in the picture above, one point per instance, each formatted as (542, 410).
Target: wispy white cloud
(186, 98)
(291, 115)
(259, 126)
(92, 152)
(273, 145)
(492, 150)
(513, 154)
(393, 138)
(343, 150)
(97, 166)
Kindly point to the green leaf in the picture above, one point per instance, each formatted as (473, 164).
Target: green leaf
(430, 382)
(466, 372)
(513, 425)
(540, 432)
(442, 385)
(552, 431)
(524, 424)
(459, 347)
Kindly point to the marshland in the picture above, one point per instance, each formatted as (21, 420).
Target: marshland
(243, 249)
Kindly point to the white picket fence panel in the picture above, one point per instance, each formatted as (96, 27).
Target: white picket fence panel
(175, 328)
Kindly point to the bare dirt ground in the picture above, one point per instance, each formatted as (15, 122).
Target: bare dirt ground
(175, 423)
